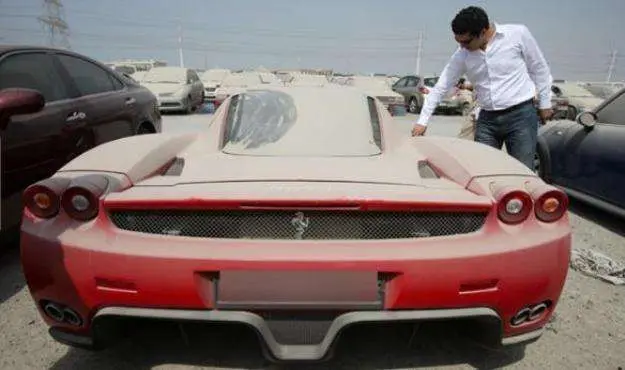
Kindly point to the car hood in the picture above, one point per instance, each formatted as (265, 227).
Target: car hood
(586, 103)
(211, 84)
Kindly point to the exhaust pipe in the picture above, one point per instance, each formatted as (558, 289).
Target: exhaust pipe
(537, 311)
(71, 317)
(54, 311)
(529, 314)
(521, 317)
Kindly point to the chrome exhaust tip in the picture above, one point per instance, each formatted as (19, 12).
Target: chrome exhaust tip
(71, 317)
(521, 317)
(54, 311)
(537, 311)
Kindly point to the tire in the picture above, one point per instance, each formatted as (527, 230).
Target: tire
(571, 113)
(145, 129)
(413, 105)
(188, 107)
(542, 163)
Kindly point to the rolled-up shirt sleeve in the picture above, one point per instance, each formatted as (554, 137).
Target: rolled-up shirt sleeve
(537, 67)
(452, 72)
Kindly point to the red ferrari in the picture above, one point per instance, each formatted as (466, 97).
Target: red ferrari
(279, 211)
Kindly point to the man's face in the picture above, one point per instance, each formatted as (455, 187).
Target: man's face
(469, 42)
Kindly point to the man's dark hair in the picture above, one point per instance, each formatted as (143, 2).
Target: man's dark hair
(472, 20)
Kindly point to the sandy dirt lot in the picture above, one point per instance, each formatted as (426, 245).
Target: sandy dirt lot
(588, 331)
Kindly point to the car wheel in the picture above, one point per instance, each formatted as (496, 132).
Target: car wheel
(541, 164)
(572, 113)
(413, 106)
(188, 106)
(145, 129)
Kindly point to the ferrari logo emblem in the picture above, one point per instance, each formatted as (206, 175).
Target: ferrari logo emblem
(300, 222)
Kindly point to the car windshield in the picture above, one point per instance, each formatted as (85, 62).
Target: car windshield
(165, 75)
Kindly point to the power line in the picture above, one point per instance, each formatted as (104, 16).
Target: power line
(53, 21)
(611, 67)
(419, 51)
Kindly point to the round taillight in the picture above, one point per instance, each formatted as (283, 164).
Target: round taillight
(514, 207)
(41, 201)
(551, 206)
(42, 198)
(80, 204)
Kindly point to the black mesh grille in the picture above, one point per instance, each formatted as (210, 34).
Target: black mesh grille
(299, 328)
(298, 225)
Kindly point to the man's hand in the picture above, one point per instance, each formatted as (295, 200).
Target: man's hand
(545, 115)
(418, 130)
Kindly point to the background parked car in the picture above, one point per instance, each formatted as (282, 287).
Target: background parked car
(413, 90)
(586, 156)
(212, 80)
(603, 90)
(579, 99)
(237, 82)
(177, 88)
(86, 104)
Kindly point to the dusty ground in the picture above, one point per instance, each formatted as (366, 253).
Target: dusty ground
(587, 333)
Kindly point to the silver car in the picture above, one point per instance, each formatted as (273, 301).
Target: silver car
(176, 88)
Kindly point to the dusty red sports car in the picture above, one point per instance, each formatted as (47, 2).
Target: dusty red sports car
(300, 201)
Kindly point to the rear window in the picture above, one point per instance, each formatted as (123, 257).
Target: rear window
(300, 123)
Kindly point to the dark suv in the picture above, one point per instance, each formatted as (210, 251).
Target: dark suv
(85, 104)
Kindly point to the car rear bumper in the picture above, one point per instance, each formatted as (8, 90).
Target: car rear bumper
(100, 271)
(171, 104)
(289, 352)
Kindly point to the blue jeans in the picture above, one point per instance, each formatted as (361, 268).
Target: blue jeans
(518, 129)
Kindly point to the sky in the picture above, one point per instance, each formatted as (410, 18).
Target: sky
(578, 37)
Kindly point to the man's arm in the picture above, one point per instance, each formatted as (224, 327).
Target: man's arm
(452, 72)
(537, 67)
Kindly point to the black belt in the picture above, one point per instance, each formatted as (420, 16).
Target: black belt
(509, 109)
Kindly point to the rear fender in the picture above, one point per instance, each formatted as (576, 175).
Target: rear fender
(463, 160)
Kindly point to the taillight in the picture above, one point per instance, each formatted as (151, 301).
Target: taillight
(81, 200)
(513, 205)
(43, 199)
(550, 203)
(424, 90)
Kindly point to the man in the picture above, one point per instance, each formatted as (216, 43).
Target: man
(506, 68)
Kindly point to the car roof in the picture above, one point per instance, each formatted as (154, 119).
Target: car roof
(5, 48)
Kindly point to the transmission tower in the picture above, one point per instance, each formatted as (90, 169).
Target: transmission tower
(53, 21)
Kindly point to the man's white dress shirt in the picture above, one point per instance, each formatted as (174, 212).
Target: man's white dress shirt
(510, 71)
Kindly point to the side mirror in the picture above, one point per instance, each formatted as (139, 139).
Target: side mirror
(586, 119)
(14, 101)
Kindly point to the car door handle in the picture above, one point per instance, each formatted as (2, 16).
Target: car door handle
(130, 101)
(76, 117)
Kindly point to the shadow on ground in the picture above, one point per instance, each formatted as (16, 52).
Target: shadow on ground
(597, 216)
(434, 344)
(12, 279)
